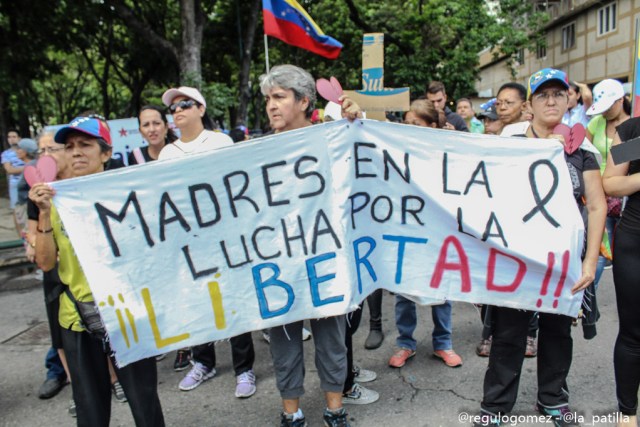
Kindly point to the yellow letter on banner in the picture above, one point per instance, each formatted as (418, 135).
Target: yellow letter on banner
(160, 342)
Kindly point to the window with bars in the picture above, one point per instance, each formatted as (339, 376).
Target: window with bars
(607, 18)
(569, 36)
(541, 49)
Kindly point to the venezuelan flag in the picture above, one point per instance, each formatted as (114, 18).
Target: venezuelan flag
(288, 21)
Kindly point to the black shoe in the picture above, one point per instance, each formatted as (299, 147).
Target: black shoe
(374, 339)
(182, 362)
(336, 418)
(286, 420)
(51, 387)
(561, 417)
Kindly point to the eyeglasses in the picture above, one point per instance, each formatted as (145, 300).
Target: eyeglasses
(49, 150)
(558, 95)
(185, 104)
(506, 104)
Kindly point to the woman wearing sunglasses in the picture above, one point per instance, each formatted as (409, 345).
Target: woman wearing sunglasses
(189, 111)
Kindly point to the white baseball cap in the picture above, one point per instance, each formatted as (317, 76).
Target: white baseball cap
(605, 94)
(189, 92)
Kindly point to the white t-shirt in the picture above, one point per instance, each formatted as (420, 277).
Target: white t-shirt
(514, 129)
(207, 140)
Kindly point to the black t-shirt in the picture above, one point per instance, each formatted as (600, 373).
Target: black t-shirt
(145, 153)
(631, 215)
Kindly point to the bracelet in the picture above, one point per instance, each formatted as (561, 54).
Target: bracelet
(45, 231)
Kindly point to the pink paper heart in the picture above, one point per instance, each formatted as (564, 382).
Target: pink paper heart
(573, 136)
(45, 170)
(330, 90)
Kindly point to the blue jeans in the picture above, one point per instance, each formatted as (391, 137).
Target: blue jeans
(406, 321)
(52, 362)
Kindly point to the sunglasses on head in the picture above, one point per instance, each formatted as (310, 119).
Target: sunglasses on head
(185, 104)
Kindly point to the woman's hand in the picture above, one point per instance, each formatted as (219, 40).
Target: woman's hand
(41, 195)
(588, 276)
(350, 109)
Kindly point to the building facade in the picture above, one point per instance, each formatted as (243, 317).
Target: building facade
(588, 39)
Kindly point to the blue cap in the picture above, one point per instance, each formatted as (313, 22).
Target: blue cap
(546, 75)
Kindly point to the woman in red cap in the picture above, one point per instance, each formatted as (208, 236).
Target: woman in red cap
(87, 147)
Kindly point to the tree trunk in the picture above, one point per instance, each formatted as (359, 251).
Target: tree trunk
(244, 90)
(192, 20)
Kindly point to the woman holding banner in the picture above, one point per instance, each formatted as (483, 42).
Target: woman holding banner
(87, 146)
(188, 107)
(622, 180)
(548, 98)
(290, 96)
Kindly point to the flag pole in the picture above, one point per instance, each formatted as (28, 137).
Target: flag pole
(266, 53)
(635, 89)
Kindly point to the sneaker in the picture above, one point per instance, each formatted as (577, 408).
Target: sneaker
(532, 347)
(360, 395)
(161, 357)
(400, 357)
(486, 420)
(306, 334)
(266, 336)
(72, 408)
(286, 420)
(196, 376)
(337, 418)
(449, 357)
(118, 392)
(246, 384)
(363, 375)
(182, 361)
(484, 348)
(374, 339)
(561, 417)
(50, 387)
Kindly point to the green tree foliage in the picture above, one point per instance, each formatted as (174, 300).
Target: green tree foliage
(113, 56)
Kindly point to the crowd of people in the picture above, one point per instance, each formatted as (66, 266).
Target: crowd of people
(80, 353)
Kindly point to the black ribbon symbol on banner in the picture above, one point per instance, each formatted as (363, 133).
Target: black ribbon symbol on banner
(540, 203)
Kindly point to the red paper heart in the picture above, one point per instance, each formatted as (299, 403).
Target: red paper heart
(573, 136)
(45, 170)
(330, 90)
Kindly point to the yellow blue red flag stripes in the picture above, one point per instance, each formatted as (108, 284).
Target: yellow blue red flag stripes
(288, 21)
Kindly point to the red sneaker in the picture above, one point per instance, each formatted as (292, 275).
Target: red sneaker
(400, 357)
(449, 357)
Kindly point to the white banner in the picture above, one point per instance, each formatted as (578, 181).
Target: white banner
(306, 224)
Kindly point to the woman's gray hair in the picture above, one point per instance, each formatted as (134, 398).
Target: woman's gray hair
(291, 77)
(43, 134)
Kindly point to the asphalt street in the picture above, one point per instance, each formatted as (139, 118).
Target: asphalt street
(423, 393)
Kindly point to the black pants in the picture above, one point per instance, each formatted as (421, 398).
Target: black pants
(555, 347)
(626, 354)
(353, 321)
(485, 316)
(91, 384)
(242, 353)
(374, 301)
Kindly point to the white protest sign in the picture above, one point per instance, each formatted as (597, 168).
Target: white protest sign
(307, 223)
